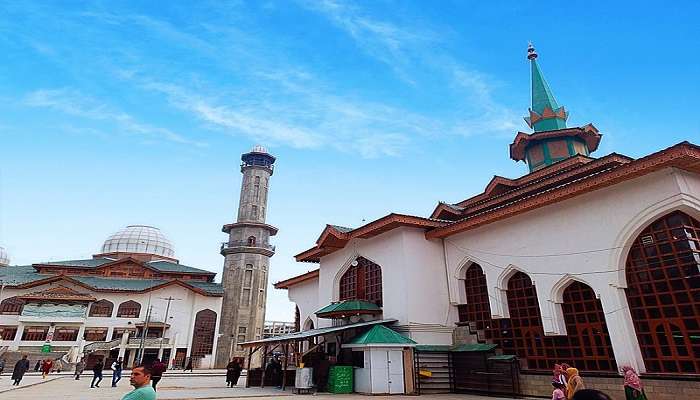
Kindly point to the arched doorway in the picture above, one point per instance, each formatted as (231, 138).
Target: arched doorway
(203, 334)
(663, 292)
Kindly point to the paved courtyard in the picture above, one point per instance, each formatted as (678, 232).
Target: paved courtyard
(173, 387)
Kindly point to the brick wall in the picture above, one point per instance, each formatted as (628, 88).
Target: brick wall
(656, 389)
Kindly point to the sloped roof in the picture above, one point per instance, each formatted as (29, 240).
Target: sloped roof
(285, 284)
(159, 265)
(380, 334)
(27, 276)
(349, 307)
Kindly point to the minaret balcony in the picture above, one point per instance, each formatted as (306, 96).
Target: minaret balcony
(244, 246)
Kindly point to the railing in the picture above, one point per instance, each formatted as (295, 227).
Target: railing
(101, 345)
(245, 243)
(149, 341)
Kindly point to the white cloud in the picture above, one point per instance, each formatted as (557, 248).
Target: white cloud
(72, 102)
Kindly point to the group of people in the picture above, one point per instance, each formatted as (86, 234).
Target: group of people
(568, 385)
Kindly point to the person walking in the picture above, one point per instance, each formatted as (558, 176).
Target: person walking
(558, 392)
(575, 382)
(97, 374)
(140, 380)
(157, 371)
(233, 372)
(46, 368)
(116, 371)
(633, 385)
(189, 366)
(2, 365)
(79, 368)
(37, 366)
(21, 367)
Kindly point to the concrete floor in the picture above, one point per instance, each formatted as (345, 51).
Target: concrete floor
(173, 387)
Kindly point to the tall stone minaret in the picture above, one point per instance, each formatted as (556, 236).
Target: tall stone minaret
(247, 260)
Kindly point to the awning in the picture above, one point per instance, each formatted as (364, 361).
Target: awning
(297, 336)
(380, 336)
(347, 308)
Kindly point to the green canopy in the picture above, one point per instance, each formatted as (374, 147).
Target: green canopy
(348, 307)
(379, 335)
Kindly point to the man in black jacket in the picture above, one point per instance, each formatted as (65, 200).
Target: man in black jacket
(21, 367)
(97, 374)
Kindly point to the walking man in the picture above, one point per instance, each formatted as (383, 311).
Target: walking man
(79, 368)
(140, 380)
(97, 374)
(21, 367)
(46, 368)
(116, 371)
(157, 371)
(2, 365)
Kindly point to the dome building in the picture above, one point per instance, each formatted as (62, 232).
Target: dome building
(140, 242)
(102, 307)
(586, 259)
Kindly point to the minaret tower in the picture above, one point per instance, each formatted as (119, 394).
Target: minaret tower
(247, 259)
(551, 140)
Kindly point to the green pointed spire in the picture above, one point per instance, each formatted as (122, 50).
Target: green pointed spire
(545, 112)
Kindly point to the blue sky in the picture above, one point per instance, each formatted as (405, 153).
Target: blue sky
(118, 113)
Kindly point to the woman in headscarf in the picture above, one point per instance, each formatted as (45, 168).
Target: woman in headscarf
(633, 385)
(559, 375)
(575, 382)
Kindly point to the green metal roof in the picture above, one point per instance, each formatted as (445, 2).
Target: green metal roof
(349, 306)
(343, 229)
(118, 284)
(296, 336)
(380, 334)
(167, 266)
(92, 262)
(160, 265)
(23, 274)
(504, 357)
(20, 274)
(457, 349)
(474, 347)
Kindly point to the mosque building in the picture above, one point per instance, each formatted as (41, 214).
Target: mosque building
(132, 300)
(592, 261)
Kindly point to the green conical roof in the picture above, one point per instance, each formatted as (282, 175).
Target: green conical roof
(380, 334)
(542, 95)
(545, 112)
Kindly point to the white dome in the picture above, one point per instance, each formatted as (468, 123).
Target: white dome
(139, 239)
(4, 257)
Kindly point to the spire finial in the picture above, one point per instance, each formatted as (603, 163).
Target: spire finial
(531, 53)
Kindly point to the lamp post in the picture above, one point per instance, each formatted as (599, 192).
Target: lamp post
(165, 320)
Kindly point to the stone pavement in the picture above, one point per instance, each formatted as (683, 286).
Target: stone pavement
(171, 388)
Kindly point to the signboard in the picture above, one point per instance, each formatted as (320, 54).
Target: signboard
(53, 311)
(46, 348)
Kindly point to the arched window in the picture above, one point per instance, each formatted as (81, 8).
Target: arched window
(203, 335)
(586, 344)
(102, 308)
(663, 292)
(477, 309)
(129, 309)
(362, 282)
(11, 306)
(251, 241)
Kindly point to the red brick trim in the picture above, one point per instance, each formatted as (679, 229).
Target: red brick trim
(368, 230)
(683, 155)
(287, 283)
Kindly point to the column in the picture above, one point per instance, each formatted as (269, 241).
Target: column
(18, 337)
(123, 343)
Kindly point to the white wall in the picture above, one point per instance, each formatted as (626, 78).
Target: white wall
(305, 295)
(181, 314)
(605, 219)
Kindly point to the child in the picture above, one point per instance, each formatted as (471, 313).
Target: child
(558, 393)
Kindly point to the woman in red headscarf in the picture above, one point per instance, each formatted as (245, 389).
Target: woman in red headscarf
(633, 385)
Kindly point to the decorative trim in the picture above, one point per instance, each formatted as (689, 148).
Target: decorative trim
(295, 280)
